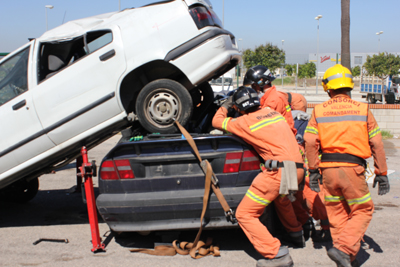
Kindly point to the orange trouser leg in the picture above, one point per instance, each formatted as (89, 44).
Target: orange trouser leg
(287, 215)
(263, 190)
(298, 208)
(315, 204)
(286, 209)
(349, 206)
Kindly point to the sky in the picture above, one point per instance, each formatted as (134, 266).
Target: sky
(255, 22)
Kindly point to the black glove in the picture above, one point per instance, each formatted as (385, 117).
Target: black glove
(228, 103)
(384, 186)
(314, 177)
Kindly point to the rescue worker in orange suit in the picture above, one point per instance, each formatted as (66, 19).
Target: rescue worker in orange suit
(307, 199)
(266, 130)
(295, 100)
(346, 132)
(260, 79)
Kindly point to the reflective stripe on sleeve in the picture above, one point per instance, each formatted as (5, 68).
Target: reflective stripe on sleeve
(288, 108)
(342, 118)
(360, 200)
(266, 122)
(334, 198)
(257, 199)
(312, 130)
(374, 132)
(225, 124)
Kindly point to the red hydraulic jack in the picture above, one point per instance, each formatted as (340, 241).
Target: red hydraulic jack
(86, 172)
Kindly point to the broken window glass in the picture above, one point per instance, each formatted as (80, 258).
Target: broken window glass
(14, 76)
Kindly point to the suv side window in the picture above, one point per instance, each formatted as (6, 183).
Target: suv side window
(56, 55)
(14, 76)
(98, 39)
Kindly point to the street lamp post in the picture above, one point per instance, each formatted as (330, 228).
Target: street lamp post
(379, 41)
(47, 7)
(316, 80)
(223, 5)
(282, 65)
(241, 63)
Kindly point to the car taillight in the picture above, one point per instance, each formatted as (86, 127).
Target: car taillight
(118, 169)
(124, 169)
(250, 161)
(232, 162)
(204, 17)
(238, 161)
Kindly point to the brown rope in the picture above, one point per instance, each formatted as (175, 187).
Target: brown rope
(198, 248)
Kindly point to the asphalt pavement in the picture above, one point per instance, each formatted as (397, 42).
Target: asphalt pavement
(59, 213)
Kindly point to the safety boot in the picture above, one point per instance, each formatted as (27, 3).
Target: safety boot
(322, 236)
(282, 259)
(297, 239)
(308, 229)
(339, 257)
(355, 263)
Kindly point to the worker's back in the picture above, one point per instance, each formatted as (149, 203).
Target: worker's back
(267, 131)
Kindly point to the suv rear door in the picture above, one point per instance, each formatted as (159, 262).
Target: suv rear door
(82, 93)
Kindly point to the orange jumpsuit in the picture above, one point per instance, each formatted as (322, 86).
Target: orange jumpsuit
(278, 101)
(310, 201)
(298, 101)
(344, 126)
(260, 129)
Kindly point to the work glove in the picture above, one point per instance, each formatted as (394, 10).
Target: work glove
(384, 186)
(228, 103)
(314, 177)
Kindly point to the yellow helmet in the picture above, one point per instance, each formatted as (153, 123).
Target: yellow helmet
(337, 77)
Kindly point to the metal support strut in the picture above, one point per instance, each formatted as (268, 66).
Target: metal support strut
(86, 172)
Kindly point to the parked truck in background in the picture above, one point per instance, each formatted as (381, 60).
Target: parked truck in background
(377, 90)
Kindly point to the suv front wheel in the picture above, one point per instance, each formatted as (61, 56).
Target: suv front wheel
(162, 101)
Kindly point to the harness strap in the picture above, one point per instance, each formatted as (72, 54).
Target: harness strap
(198, 248)
(183, 248)
(290, 98)
(339, 157)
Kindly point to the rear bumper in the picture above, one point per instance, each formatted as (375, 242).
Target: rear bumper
(167, 210)
(207, 56)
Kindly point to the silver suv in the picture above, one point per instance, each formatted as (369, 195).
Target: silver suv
(87, 79)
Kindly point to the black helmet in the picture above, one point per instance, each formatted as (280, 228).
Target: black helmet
(258, 74)
(245, 98)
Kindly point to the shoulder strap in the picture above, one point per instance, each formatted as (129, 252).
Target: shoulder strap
(289, 98)
(205, 165)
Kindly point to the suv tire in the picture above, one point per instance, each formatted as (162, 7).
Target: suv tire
(162, 101)
(202, 97)
(20, 191)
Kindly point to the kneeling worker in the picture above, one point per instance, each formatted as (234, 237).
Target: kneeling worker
(269, 134)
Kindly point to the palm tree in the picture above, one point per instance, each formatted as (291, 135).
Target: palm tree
(345, 25)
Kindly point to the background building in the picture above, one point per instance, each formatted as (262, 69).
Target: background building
(327, 60)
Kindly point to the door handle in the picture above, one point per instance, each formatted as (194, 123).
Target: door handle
(19, 105)
(107, 55)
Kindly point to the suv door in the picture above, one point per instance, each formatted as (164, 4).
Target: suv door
(77, 83)
(21, 135)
